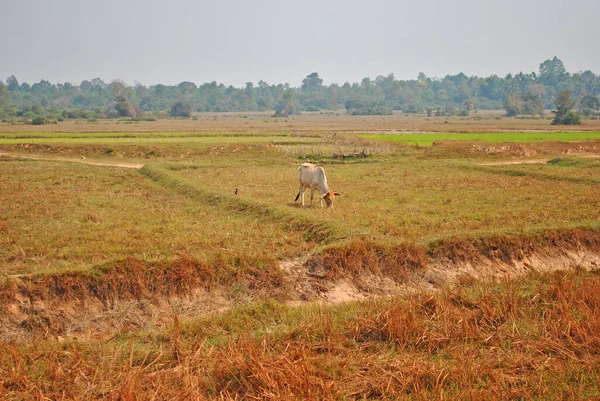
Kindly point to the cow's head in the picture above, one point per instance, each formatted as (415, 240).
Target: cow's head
(329, 196)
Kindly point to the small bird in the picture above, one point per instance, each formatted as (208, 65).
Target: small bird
(236, 191)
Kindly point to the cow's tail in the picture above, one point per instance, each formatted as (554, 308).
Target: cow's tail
(297, 196)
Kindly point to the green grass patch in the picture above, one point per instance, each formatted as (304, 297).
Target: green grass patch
(521, 137)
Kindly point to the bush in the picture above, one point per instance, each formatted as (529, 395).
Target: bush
(181, 109)
(374, 111)
(413, 109)
(38, 121)
(569, 118)
(359, 108)
(563, 114)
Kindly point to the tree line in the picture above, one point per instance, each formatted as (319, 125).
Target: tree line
(522, 93)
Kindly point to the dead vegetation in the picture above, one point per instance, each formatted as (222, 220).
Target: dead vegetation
(43, 305)
(513, 151)
(536, 338)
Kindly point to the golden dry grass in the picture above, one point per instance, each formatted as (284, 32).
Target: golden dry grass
(337, 121)
(57, 216)
(533, 339)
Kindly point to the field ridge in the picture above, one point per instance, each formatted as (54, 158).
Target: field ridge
(33, 302)
(316, 228)
(520, 173)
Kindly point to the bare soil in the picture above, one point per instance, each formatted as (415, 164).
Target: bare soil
(29, 317)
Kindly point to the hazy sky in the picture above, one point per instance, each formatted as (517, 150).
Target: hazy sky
(234, 41)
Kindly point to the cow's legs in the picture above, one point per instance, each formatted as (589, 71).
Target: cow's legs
(301, 192)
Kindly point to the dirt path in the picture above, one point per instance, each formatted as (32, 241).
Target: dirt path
(514, 162)
(82, 160)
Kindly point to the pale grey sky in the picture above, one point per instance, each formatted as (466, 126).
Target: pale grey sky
(234, 41)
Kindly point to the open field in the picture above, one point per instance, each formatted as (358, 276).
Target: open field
(337, 121)
(416, 199)
(515, 137)
(168, 259)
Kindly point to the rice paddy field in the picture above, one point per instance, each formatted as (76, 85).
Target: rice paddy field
(169, 260)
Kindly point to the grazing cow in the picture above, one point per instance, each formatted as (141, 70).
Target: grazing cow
(313, 177)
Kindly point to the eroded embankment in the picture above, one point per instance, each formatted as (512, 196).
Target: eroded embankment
(131, 294)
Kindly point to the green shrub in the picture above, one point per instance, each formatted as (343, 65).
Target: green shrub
(569, 118)
(181, 109)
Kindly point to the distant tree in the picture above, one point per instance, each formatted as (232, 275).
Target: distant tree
(513, 104)
(532, 101)
(12, 84)
(413, 108)
(98, 82)
(86, 85)
(264, 96)
(38, 120)
(467, 106)
(384, 93)
(588, 104)
(7, 107)
(125, 108)
(312, 83)
(187, 88)
(450, 110)
(361, 108)
(493, 87)
(552, 72)
(181, 108)
(563, 114)
(122, 106)
(118, 87)
(140, 90)
(287, 105)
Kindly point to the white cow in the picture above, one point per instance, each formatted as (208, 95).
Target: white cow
(313, 177)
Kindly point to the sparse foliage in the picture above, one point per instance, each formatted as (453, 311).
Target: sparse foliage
(533, 104)
(563, 114)
(125, 108)
(589, 104)
(7, 107)
(513, 104)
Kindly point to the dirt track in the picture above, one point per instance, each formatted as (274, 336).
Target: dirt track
(82, 160)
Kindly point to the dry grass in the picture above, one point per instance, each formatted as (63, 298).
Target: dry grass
(484, 121)
(84, 233)
(416, 197)
(133, 278)
(58, 216)
(534, 339)
(514, 247)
